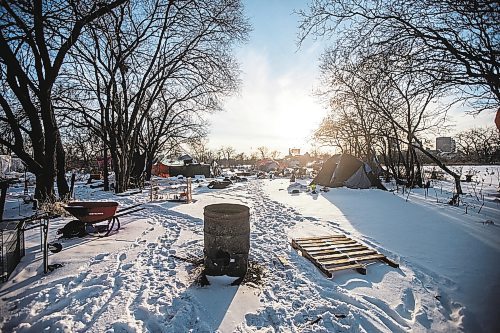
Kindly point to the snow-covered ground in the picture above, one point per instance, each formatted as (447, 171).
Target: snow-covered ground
(135, 281)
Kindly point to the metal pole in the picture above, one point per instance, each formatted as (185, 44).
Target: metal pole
(45, 224)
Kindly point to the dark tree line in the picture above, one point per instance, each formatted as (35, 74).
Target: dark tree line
(138, 76)
(478, 145)
(35, 38)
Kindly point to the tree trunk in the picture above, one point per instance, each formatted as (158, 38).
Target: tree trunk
(456, 177)
(105, 170)
(44, 188)
(62, 183)
(149, 167)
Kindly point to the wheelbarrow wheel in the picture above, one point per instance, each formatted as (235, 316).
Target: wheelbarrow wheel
(55, 247)
(75, 228)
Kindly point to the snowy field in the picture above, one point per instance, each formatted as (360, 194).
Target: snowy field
(136, 281)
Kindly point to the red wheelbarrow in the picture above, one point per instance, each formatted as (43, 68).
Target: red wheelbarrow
(93, 212)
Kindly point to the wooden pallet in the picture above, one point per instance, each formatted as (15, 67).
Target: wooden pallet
(337, 252)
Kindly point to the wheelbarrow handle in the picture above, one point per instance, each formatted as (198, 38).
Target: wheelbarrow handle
(129, 212)
(128, 208)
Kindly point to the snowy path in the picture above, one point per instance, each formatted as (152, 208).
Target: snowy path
(139, 285)
(300, 298)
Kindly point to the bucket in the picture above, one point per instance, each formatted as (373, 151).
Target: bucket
(227, 239)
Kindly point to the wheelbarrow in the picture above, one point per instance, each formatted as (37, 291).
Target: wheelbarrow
(89, 213)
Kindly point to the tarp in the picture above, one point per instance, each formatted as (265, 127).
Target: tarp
(359, 179)
(346, 167)
(160, 169)
(325, 174)
(190, 170)
(5, 161)
(267, 165)
(187, 159)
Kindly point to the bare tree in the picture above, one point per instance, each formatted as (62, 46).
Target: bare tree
(456, 42)
(479, 145)
(200, 150)
(263, 152)
(383, 98)
(153, 68)
(228, 153)
(35, 38)
(171, 122)
(80, 147)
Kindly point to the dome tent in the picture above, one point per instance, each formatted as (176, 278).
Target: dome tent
(346, 170)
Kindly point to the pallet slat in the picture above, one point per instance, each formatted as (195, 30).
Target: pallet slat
(346, 246)
(327, 245)
(325, 240)
(326, 255)
(355, 259)
(344, 255)
(308, 256)
(340, 268)
(343, 247)
(319, 237)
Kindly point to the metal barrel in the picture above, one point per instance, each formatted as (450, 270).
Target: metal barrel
(227, 239)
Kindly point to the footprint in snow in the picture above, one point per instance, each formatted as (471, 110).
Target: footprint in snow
(406, 308)
(121, 327)
(126, 267)
(101, 256)
(122, 256)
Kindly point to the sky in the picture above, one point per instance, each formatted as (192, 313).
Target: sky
(275, 106)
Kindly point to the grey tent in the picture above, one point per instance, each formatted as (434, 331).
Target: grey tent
(346, 170)
(187, 159)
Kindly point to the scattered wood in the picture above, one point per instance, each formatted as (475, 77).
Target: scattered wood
(194, 261)
(283, 261)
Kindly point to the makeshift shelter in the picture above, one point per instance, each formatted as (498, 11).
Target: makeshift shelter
(346, 170)
(267, 165)
(174, 170)
(160, 169)
(189, 170)
(187, 159)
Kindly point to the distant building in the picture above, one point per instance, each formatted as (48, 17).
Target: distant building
(445, 144)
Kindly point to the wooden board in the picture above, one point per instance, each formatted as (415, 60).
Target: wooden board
(314, 241)
(332, 253)
(283, 261)
(323, 245)
(344, 247)
(350, 259)
(329, 255)
(320, 237)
